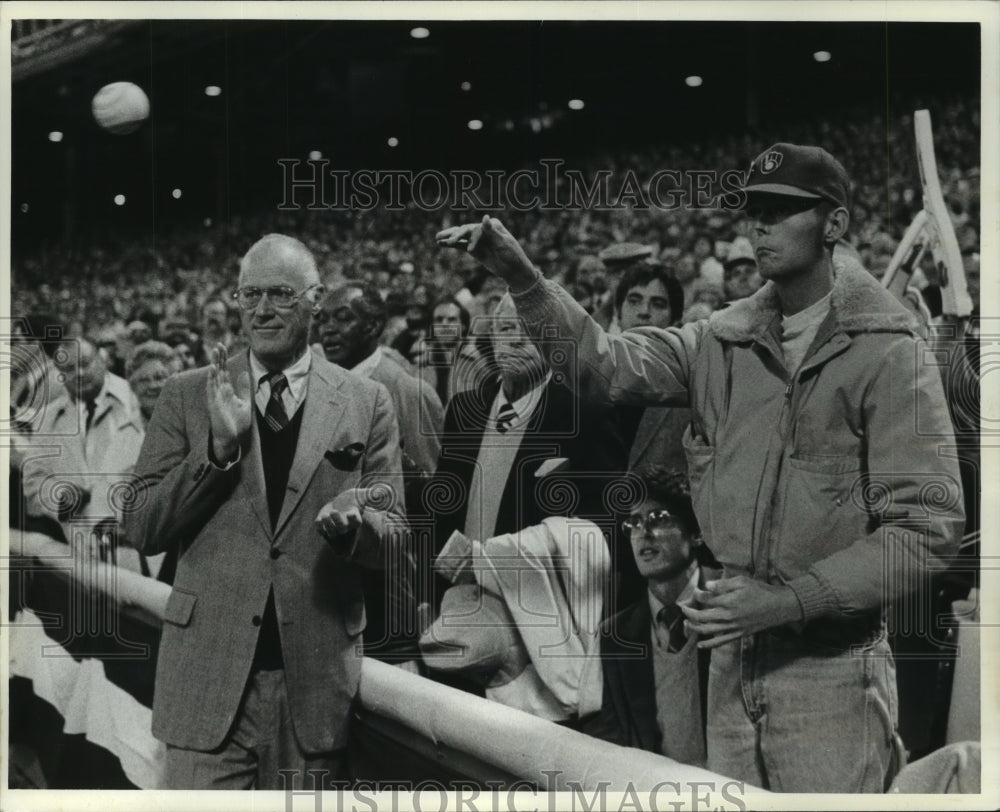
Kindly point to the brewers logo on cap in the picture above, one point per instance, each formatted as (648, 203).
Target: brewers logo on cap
(770, 162)
(799, 171)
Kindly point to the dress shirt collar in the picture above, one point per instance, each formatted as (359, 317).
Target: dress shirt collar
(655, 604)
(525, 405)
(297, 376)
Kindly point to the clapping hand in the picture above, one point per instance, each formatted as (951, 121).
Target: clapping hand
(228, 406)
(495, 247)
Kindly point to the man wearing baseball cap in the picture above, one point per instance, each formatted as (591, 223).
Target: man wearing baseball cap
(815, 434)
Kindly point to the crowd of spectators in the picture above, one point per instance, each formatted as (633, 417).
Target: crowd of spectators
(165, 283)
(157, 309)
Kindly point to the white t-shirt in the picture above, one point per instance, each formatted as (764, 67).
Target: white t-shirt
(799, 330)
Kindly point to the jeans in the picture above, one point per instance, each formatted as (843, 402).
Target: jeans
(789, 714)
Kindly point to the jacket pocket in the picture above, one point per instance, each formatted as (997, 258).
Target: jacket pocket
(180, 607)
(826, 463)
(346, 458)
(819, 516)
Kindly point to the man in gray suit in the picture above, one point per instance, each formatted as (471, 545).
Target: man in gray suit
(276, 475)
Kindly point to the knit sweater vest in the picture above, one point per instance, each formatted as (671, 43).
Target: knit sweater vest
(277, 451)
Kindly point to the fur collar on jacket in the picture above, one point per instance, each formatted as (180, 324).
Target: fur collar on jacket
(859, 304)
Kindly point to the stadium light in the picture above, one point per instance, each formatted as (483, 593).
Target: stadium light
(508, 125)
(575, 104)
(420, 33)
(213, 90)
(466, 86)
(176, 194)
(475, 124)
(315, 155)
(119, 200)
(693, 81)
(55, 136)
(822, 56)
(393, 141)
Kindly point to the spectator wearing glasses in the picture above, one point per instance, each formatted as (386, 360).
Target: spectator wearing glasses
(520, 449)
(275, 474)
(655, 677)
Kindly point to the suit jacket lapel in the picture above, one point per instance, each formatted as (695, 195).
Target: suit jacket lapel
(323, 411)
(253, 465)
(632, 683)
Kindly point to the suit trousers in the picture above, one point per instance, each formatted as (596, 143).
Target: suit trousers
(260, 752)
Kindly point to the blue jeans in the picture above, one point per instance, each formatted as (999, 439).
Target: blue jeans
(789, 714)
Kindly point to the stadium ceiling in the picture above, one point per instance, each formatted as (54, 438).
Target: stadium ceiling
(317, 76)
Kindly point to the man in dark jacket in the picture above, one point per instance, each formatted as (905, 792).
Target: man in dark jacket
(522, 448)
(655, 677)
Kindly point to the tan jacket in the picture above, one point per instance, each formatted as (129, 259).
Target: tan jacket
(229, 557)
(841, 482)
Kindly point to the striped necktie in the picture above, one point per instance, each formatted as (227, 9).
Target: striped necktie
(275, 415)
(505, 417)
(672, 619)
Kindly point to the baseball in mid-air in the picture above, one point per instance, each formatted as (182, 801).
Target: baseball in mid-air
(120, 107)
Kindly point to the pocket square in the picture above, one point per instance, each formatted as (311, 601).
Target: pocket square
(346, 458)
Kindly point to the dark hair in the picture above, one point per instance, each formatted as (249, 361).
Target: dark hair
(370, 303)
(671, 487)
(643, 274)
(463, 315)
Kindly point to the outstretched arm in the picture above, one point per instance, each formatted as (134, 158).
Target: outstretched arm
(647, 366)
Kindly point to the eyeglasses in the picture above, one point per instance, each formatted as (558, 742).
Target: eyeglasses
(281, 296)
(652, 521)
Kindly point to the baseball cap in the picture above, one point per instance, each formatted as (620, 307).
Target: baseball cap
(799, 171)
(624, 252)
(740, 251)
